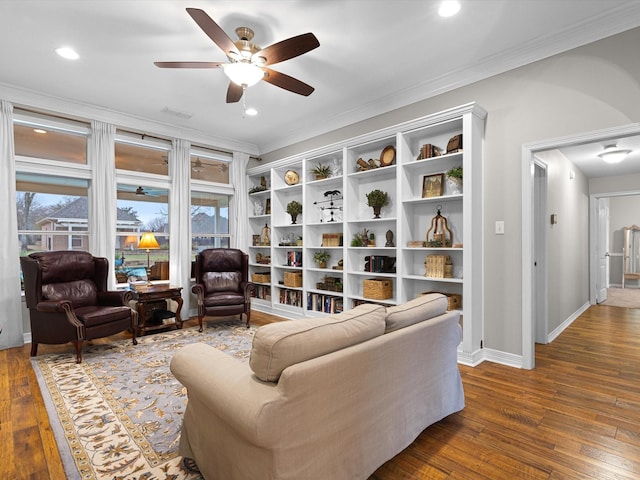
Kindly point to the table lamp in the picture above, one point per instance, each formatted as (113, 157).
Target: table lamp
(149, 242)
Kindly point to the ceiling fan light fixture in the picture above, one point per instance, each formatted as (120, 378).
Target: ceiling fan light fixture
(613, 154)
(243, 74)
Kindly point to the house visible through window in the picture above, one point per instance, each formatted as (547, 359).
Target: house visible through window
(52, 213)
(209, 221)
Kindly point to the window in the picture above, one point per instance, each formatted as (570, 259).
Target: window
(50, 138)
(141, 209)
(209, 165)
(52, 213)
(209, 221)
(138, 153)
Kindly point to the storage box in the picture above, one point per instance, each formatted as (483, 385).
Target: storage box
(438, 266)
(292, 279)
(377, 288)
(331, 240)
(455, 300)
(261, 277)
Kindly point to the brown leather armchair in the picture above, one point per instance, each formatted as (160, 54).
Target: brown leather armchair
(66, 293)
(222, 283)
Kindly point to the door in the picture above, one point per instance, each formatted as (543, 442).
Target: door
(540, 253)
(602, 279)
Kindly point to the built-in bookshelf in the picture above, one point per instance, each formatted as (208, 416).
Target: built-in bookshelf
(409, 162)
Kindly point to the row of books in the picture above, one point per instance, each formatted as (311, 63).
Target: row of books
(319, 302)
(294, 259)
(291, 297)
(380, 264)
(262, 291)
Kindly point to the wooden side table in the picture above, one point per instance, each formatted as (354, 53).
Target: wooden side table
(151, 304)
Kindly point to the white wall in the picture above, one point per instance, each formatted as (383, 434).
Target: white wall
(567, 240)
(590, 88)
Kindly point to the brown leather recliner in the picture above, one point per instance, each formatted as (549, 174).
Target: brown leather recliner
(66, 293)
(222, 283)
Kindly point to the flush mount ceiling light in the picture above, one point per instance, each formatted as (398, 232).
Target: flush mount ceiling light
(449, 8)
(68, 53)
(613, 154)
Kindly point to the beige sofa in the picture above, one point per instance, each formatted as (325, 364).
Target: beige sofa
(322, 398)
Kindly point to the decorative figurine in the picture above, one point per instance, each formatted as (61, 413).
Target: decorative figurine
(389, 239)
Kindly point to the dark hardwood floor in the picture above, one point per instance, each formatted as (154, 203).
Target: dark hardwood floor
(575, 416)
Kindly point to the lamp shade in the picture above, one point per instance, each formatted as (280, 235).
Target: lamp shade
(148, 241)
(242, 73)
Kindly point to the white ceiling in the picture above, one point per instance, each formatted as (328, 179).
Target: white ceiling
(374, 56)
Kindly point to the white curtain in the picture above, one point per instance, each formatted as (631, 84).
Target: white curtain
(102, 194)
(10, 299)
(240, 214)
(180, 220)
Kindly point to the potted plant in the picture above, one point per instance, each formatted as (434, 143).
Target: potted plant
(294, 209)
(377, 199)
(321, 257)
(321, 171)
(454, 180)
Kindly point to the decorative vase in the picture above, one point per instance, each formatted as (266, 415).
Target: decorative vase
(293, 219)
(322, 264)
(376, 211)
(454, 185)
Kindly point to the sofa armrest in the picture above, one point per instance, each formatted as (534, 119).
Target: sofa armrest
(60, 306)
(247, 288)
(52, 306)
(228, 388)
(198, 290)
(115, 298)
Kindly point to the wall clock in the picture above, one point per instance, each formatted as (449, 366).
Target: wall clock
(291, 177)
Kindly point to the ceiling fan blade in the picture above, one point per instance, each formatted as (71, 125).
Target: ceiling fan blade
(290, 48)
(234, 93)
(288, 83)
(188, 64)
(213, 31)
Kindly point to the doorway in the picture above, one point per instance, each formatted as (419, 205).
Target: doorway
(532, 300)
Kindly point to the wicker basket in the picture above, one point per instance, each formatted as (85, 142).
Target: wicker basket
(261, 277)
(292, 279)
(377, 288)
(454, 299)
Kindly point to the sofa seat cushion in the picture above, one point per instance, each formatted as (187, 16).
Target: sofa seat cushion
(92, 316)
(222, 299)
(276, 346)
(416, 310)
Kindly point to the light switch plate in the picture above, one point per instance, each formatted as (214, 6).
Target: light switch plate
(500, 227)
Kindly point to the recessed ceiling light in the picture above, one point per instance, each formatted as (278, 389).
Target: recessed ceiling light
(252, 112)
(39, 130)
(68, 53)
(448, 8)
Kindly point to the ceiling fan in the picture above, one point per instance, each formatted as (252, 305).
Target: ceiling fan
(248, 63)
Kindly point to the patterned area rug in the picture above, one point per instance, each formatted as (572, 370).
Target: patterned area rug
(118, 414)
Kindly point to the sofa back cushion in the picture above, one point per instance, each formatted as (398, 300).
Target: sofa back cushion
(276, 346)
(416, 310)
(81, 293)
(65, 266)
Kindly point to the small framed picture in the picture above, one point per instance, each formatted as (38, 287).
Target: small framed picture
(432, 185)
(267, 208)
